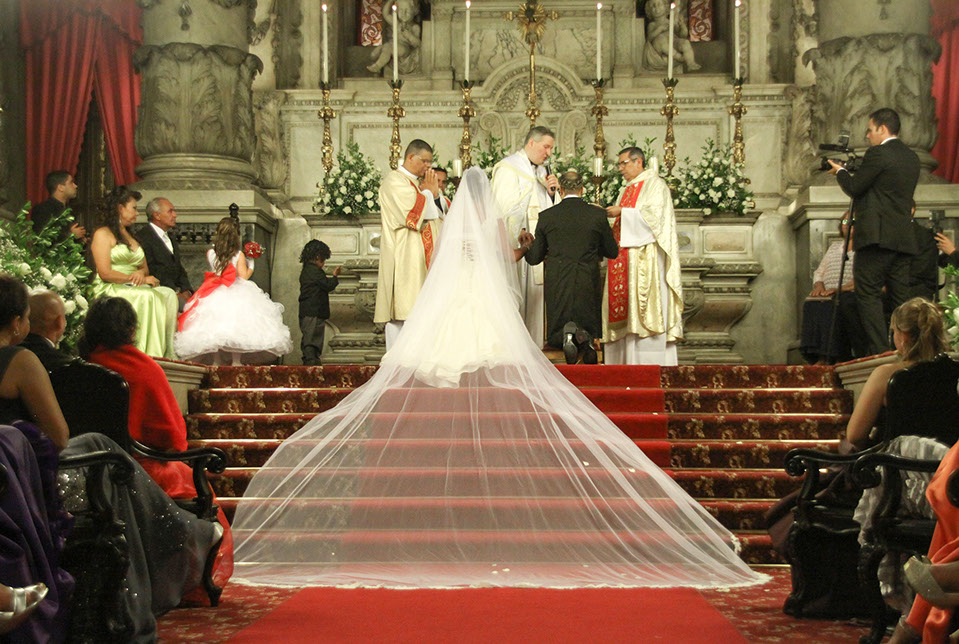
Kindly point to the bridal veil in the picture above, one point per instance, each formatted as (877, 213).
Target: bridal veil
(469, 460)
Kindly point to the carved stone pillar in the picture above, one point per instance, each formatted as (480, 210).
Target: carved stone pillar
(196, 117)
(874, 54)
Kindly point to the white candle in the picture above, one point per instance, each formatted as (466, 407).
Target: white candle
(672, 17)
(736, 38)
(457, 167)
(326, 46)
(466, 75)
(598, 166)
(599, 42)
(396, 47)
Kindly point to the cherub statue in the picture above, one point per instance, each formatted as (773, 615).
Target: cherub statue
(656, 51)
(408, 48)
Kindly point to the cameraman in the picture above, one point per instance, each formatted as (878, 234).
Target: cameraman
(882, 192)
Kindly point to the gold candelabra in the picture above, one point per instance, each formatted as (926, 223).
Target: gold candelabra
(669, 110)
(395, 112)
(466, 113)
(532, 109)
(327, 114)
(737, 110)
(599, 141)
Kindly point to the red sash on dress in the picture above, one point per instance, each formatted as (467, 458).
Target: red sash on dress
(211, 282)
(617, 270)
(413, 220)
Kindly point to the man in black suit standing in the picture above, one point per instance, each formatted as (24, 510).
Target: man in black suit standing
(48, 321)
(882, 190)
(62, 188)
(162, 250)
(572, 237)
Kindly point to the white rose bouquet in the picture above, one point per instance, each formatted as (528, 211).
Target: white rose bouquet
(45, 262)
(714, 184)
(351, 188)
(950, 306)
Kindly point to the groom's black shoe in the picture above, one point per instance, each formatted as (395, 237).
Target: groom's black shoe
(585, 341)
(570, 350)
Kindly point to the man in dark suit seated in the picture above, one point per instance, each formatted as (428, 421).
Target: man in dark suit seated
(572, 237)
(882, 190)
(162, 250)
(48, 321)
(62, 188)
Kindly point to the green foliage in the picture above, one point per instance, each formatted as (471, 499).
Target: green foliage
(951, 306)
(714, 184)
(45, 262)
(488, 156)
(351, 187)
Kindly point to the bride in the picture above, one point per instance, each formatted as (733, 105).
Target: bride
(469, 460)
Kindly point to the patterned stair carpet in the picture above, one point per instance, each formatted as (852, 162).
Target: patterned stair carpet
(720, 431)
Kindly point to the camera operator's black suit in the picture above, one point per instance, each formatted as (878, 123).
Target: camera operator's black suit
(882, 190)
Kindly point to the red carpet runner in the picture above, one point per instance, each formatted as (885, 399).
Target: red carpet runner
(502, 615)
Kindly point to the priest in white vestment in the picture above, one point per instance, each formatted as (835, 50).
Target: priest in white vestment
(522, 187)
(643, 294)
(410, 228)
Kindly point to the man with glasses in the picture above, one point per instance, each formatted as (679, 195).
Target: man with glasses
(409, 219)
(643, 298)
(882, 191)
(522, 187)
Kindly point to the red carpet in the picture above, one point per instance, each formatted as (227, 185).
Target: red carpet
(499, 615)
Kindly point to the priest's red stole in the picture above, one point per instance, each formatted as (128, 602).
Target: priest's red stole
(617, 271)
(413, 220)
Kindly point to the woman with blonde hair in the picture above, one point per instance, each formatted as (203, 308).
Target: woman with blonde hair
(229, 316)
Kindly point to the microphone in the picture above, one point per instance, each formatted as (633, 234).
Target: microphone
(546, 167)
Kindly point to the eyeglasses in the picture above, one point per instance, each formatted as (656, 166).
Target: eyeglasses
(620, 164)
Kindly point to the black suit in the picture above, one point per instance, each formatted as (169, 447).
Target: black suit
(50, 357)
(163, 265)
(43, 212)
(572, 236)
(882, 191)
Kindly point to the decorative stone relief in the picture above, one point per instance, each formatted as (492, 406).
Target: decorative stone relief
(805, 29)
(270, 159)
(800, 158)
(288, 44)
(656, 51)
(855, 76)
(4, 163)
(408, 48)
(196, 100)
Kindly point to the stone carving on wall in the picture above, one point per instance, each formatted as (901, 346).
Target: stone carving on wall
(855, 76)
(800, 159)
(656, 50)
(185, 11)
(196, 100)
(4, 147)
(288, 44)
(270, 159)
(805, 29)
(408, 48)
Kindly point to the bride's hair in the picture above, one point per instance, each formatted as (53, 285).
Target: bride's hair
(225, 243)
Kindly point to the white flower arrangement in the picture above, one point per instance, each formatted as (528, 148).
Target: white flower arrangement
(355, 180)
(714, 184)
(950, 306)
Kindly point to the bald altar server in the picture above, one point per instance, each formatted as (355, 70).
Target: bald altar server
(643, 298)
(522, 187)
(409, 220)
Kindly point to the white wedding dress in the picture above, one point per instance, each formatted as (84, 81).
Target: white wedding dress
(469, 460)
(238, 318)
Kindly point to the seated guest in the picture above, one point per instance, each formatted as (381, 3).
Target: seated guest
(48, 322)
(155, 418)
(817, 310)
(122, 271)
(61, 188)
(950, 256)
(162, 250)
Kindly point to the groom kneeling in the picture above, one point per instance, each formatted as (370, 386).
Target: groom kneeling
(571, 236)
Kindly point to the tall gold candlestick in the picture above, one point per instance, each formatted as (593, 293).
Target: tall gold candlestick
(532, 109)
(466, 113)
(396, 112)
(599, 140)
(669, 110)
(737, 110)
(327, 114)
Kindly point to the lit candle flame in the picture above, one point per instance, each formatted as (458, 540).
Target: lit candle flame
(599, 5)
(468, 3)
(394, 8)
(324, 7)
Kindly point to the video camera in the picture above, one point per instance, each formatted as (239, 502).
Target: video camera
(850, 159)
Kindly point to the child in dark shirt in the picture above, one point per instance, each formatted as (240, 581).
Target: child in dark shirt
(315, 289)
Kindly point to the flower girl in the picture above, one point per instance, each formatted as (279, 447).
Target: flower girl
(229, 317)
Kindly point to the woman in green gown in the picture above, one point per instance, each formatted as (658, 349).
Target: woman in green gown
(122, 271)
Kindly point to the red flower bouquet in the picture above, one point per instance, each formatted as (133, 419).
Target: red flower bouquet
(252, 250)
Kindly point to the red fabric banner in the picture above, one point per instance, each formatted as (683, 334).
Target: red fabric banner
(617, 270)
(945, 26)
(700, 20)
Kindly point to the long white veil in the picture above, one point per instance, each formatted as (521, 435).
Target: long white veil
(469, 460)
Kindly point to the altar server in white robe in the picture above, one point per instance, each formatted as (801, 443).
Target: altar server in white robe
(643, 294)
(522, 187)
(410, 228)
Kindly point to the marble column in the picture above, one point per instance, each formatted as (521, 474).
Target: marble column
(874, 54)
(196, 118)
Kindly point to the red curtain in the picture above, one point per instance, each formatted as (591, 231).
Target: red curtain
(71, 51)
(945, 89)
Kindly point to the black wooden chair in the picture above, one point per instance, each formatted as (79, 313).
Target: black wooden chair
(832, 576)
(96, 399)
